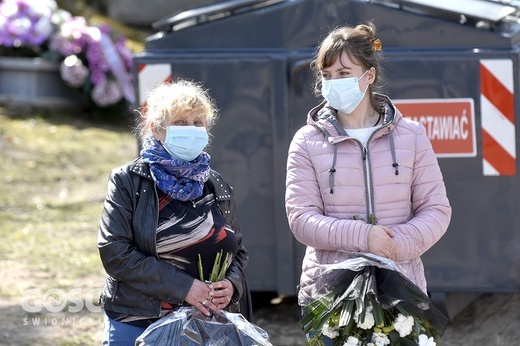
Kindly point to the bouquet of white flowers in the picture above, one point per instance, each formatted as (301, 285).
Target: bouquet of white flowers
(367, 301)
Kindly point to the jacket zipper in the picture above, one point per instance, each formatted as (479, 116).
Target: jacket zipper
(155, 234)
(156, 220)
(368, 174)
(368, 182)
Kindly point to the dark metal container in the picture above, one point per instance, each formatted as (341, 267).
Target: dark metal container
(453, 67)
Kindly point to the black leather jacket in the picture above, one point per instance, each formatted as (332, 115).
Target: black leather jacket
(138, 281)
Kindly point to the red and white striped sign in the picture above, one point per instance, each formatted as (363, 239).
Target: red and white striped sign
(497, 108)
(151, 75)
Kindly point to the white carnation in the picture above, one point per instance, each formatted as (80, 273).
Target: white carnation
(425, 341)
(352, 341)
(369, 321)
(403, 325)
(328, 331)
(380, 339)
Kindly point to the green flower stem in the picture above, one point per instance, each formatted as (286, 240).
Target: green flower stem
(219, 268)
(216, 264)
(201, 270)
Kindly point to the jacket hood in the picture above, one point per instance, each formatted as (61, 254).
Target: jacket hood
(324, 118)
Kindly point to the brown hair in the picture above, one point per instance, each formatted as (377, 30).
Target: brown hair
(358, 43)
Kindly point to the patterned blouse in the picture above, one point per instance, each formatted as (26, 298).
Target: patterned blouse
(185, 231)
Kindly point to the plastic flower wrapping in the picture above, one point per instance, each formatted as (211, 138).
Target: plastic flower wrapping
(366, 300)
(94, 60)
(189, 327)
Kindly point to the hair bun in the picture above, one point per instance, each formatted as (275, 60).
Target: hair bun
(369, 29)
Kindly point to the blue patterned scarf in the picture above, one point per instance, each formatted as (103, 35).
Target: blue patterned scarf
(181, 180)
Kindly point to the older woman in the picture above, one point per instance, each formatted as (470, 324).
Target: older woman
(165, 212)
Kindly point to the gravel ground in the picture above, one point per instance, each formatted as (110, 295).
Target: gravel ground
(491, 320)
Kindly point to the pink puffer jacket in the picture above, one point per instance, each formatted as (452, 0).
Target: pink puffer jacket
(333, 185)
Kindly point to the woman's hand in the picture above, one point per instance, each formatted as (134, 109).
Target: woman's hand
(212, 297)
(380, 242)
(199, 297)
(221, 293)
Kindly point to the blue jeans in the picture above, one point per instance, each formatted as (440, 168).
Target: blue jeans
(120, 334)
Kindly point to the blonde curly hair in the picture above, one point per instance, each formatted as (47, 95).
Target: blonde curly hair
(181, 96)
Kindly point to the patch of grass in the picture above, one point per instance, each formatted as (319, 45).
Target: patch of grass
(53, 178)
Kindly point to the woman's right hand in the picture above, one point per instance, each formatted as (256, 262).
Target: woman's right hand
(380, 242)
(198, 296)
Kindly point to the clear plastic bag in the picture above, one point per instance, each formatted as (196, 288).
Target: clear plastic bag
(187, 326)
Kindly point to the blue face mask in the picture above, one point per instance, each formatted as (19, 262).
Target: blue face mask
(185, 142)
(343, 94)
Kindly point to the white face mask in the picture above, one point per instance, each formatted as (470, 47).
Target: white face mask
(343, 94)
(185, 142)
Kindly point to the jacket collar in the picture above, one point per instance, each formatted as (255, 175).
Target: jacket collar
(324, 118)
(141, 168)
(220, 188)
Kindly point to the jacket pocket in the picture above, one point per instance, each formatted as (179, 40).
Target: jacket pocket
(109, 290)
